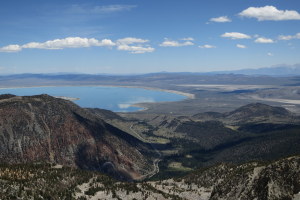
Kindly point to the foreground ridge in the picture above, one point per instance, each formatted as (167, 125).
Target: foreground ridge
(254, 180)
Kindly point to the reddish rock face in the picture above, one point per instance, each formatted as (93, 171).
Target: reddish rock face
(46, 129)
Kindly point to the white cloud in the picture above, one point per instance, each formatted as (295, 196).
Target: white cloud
(106, 42)
(241, 46)
(221, 19)
(69, 42)
(207, 46)
(135, 49)
(131, 40)
(270, 54)
(236, 35)
(112, 8)
(124, 44)
(188, 39)
(79, 9)
(285, 37)
(263, 40)
(289, 37)
(270, 13)
(11, 48)
(134, 45)
(173, 43)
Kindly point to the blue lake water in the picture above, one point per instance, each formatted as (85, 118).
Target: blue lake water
(118, 99)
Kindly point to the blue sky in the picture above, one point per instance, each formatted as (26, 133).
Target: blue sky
(141, 36)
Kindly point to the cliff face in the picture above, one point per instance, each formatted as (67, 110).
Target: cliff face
(46, 129)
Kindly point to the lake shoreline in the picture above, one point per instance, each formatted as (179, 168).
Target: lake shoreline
(189, 95)
(137, 105)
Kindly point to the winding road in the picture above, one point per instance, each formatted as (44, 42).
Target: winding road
(155, 161)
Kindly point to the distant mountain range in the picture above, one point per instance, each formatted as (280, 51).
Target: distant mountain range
(284, 70)
(278, 70)
(163, 80)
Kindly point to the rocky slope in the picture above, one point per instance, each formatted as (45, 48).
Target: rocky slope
(46, 129)
(255, 180)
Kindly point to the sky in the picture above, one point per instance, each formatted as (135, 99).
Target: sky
(144, 36)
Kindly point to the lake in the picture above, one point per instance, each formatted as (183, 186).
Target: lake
(117, 99)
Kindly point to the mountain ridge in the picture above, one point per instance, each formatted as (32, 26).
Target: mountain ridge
(44, 128)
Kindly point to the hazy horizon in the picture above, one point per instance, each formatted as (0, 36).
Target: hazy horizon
(277, 70)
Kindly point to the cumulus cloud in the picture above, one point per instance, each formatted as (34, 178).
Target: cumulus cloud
(131, 40)
(11, 48)
(173, 43)
(235, 35)
(207, 46)
(289, 37)
(269, 13)
(135, 49)
(285, 37)
(221, 19)
(69, 42)
(263, 40)
(270, 54)
(241, 46)
(134, 45)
